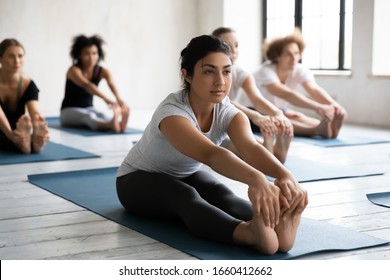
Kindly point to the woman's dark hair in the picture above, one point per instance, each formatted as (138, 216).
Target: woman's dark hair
(273, 49)
(6, 43)
(81, 41)
(198, 48)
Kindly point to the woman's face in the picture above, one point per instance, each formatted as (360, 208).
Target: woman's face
(13, 59)
(212, 78)
(290, 56)
(89, 56)
(231, 39)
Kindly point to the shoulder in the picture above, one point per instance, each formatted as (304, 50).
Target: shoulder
(226, 107)
(239, 71)
(175, 102)
(28, 85)
(73, 70)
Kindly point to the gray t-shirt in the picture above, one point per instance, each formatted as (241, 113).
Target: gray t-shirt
(154, 153)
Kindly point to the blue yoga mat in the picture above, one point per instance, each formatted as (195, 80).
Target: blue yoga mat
(306, 170)
(52, 151)
(340, 141)
(54, 122)
(95, 190)
(381, 198)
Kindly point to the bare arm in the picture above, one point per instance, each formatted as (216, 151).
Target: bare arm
(261, 104)
(322, 96)
(265, 123)
(317, 93)
(5, 126)
(264, 195)
(75, 74)
(251, 151)
(260, 158)
(300, 100)
(106, 74)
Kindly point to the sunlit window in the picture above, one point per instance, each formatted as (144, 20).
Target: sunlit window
(326, 27)
(381, 54)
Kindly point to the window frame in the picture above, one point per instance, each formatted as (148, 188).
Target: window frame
(298, 24)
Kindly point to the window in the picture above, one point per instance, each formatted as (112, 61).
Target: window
(381, 55)
(326, 26)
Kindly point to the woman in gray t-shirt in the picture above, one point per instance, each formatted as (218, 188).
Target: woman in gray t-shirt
(161, 177)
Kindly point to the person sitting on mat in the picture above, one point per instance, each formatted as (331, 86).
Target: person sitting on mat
(26, 133)
(160, 176)
(82, 80)
(278, 79)
(265, 117)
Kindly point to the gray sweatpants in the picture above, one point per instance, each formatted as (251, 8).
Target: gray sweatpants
(89, 116)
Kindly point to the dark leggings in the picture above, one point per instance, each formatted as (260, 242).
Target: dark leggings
(6, 144)
(208, 208)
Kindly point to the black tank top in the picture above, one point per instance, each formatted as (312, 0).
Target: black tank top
(76, 96)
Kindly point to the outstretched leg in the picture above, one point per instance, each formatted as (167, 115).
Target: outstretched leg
(113, 124)
(308, 126)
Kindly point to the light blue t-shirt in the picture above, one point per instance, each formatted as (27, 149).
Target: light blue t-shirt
(154, 153)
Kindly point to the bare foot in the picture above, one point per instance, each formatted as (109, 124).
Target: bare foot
(286, 231)
(40, 135)
(23, 130)
(324, 129)
(282, 145)
(337, 122)
(115, 126)
(255, 234)
(125, 118)
(269, 142)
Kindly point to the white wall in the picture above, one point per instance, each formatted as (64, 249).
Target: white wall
(366, 97)
(144, 39)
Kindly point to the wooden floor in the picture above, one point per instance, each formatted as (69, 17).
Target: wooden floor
(35, 224)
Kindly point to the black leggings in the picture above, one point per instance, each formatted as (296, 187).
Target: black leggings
(208, 208)
(6, 144)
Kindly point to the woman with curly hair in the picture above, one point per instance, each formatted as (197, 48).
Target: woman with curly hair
(82, 80)
(278, 80)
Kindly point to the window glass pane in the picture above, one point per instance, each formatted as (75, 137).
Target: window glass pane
(280, 17)
(381, 54)
(320, 29)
